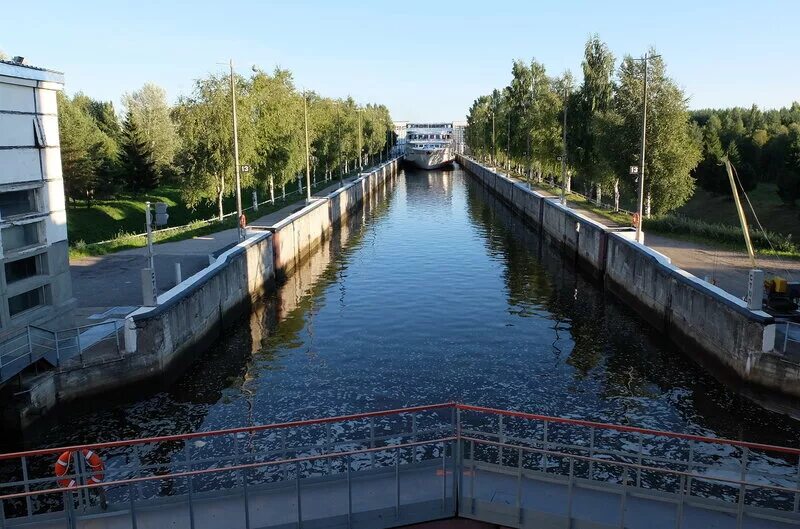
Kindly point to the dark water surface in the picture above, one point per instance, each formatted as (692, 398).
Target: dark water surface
(436, 293)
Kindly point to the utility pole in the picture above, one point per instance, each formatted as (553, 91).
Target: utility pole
(494, 144)
(639, 237)
(564, 149)
(360, 147)
(508, 143)
(308, 150)
(239, 218)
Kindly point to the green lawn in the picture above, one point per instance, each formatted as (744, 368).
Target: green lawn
(110, 219)
(115, 221)
(774, 214)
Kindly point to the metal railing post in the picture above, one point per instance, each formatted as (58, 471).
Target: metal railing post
(473, 476)
(28, 504)
(132, 502)
(397, 483)
(679, 514)
(570, 490)
(623, 498)
(444, 476)
(190, 485)
(797, 486)
(591, 453)
(297, 489)
(458, 473)
(349, 494)
(742, 488)
(519, 486)
(544, 446)
(371, 442)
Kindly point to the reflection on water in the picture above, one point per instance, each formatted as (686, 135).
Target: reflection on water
(436, 292)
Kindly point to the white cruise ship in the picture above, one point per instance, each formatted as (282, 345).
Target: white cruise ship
(429, 145)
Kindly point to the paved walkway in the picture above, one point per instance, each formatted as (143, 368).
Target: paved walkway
(111, 285)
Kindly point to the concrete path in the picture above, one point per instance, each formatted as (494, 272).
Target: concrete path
(110, 282)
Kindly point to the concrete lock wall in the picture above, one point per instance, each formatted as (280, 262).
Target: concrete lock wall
(192, 315)
(196, 311)
(696, 315)
(296, 236)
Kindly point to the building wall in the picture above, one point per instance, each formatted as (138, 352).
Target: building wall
(35, 283)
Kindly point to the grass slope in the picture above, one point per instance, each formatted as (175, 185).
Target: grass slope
(718, 209)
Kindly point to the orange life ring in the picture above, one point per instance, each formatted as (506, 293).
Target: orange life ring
(636, 220)
(242, 221)
(93, 463)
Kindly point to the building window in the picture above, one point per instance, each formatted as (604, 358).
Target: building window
(21, 236)
(24, 268)
(26, 301)
(13, 203)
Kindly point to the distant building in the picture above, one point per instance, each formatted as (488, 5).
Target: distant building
(459, 131)
(35, 282)
(459, 135)
(400, 131)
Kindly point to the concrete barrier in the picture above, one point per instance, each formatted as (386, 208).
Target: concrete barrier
(296, 236)
(697, 316)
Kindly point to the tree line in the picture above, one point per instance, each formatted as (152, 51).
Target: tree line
(521, 126)
(764, 145)
(190, 144)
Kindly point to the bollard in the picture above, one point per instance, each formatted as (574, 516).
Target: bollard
(755, 290)
(149, 292)
(177, 273)
(255, 201)
(130, 335)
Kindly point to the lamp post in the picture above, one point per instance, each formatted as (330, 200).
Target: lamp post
(239, 228)
(564, 148)
(494, 144)
(360, 142)
(308, 149)
(639, 237)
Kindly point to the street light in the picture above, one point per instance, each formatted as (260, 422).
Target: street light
(308, 149)
(239, 217)
(639, 237)
(564, 146)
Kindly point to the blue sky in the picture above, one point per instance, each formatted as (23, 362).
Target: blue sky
(426, 60)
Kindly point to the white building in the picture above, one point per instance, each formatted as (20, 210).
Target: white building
(459, 135)
(35, 283)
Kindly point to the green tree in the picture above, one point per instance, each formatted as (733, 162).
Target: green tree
(789, 179)
(150, 113)
(672, 151)
(594, 98)
(137, 161)
(88, 155)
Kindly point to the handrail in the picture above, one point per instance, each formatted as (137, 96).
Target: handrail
(633, 429)
(213, 433)
(635, 466)
(214, 470)
(412, 409)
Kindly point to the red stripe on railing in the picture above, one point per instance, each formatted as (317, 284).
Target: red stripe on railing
(357, 416)
(633, 429)
(213, 433)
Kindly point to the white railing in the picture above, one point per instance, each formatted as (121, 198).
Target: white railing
(31, 344)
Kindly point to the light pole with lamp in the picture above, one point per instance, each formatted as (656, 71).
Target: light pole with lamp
(308, 149)
(639, 237)
(564, 146)
(239, 216)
